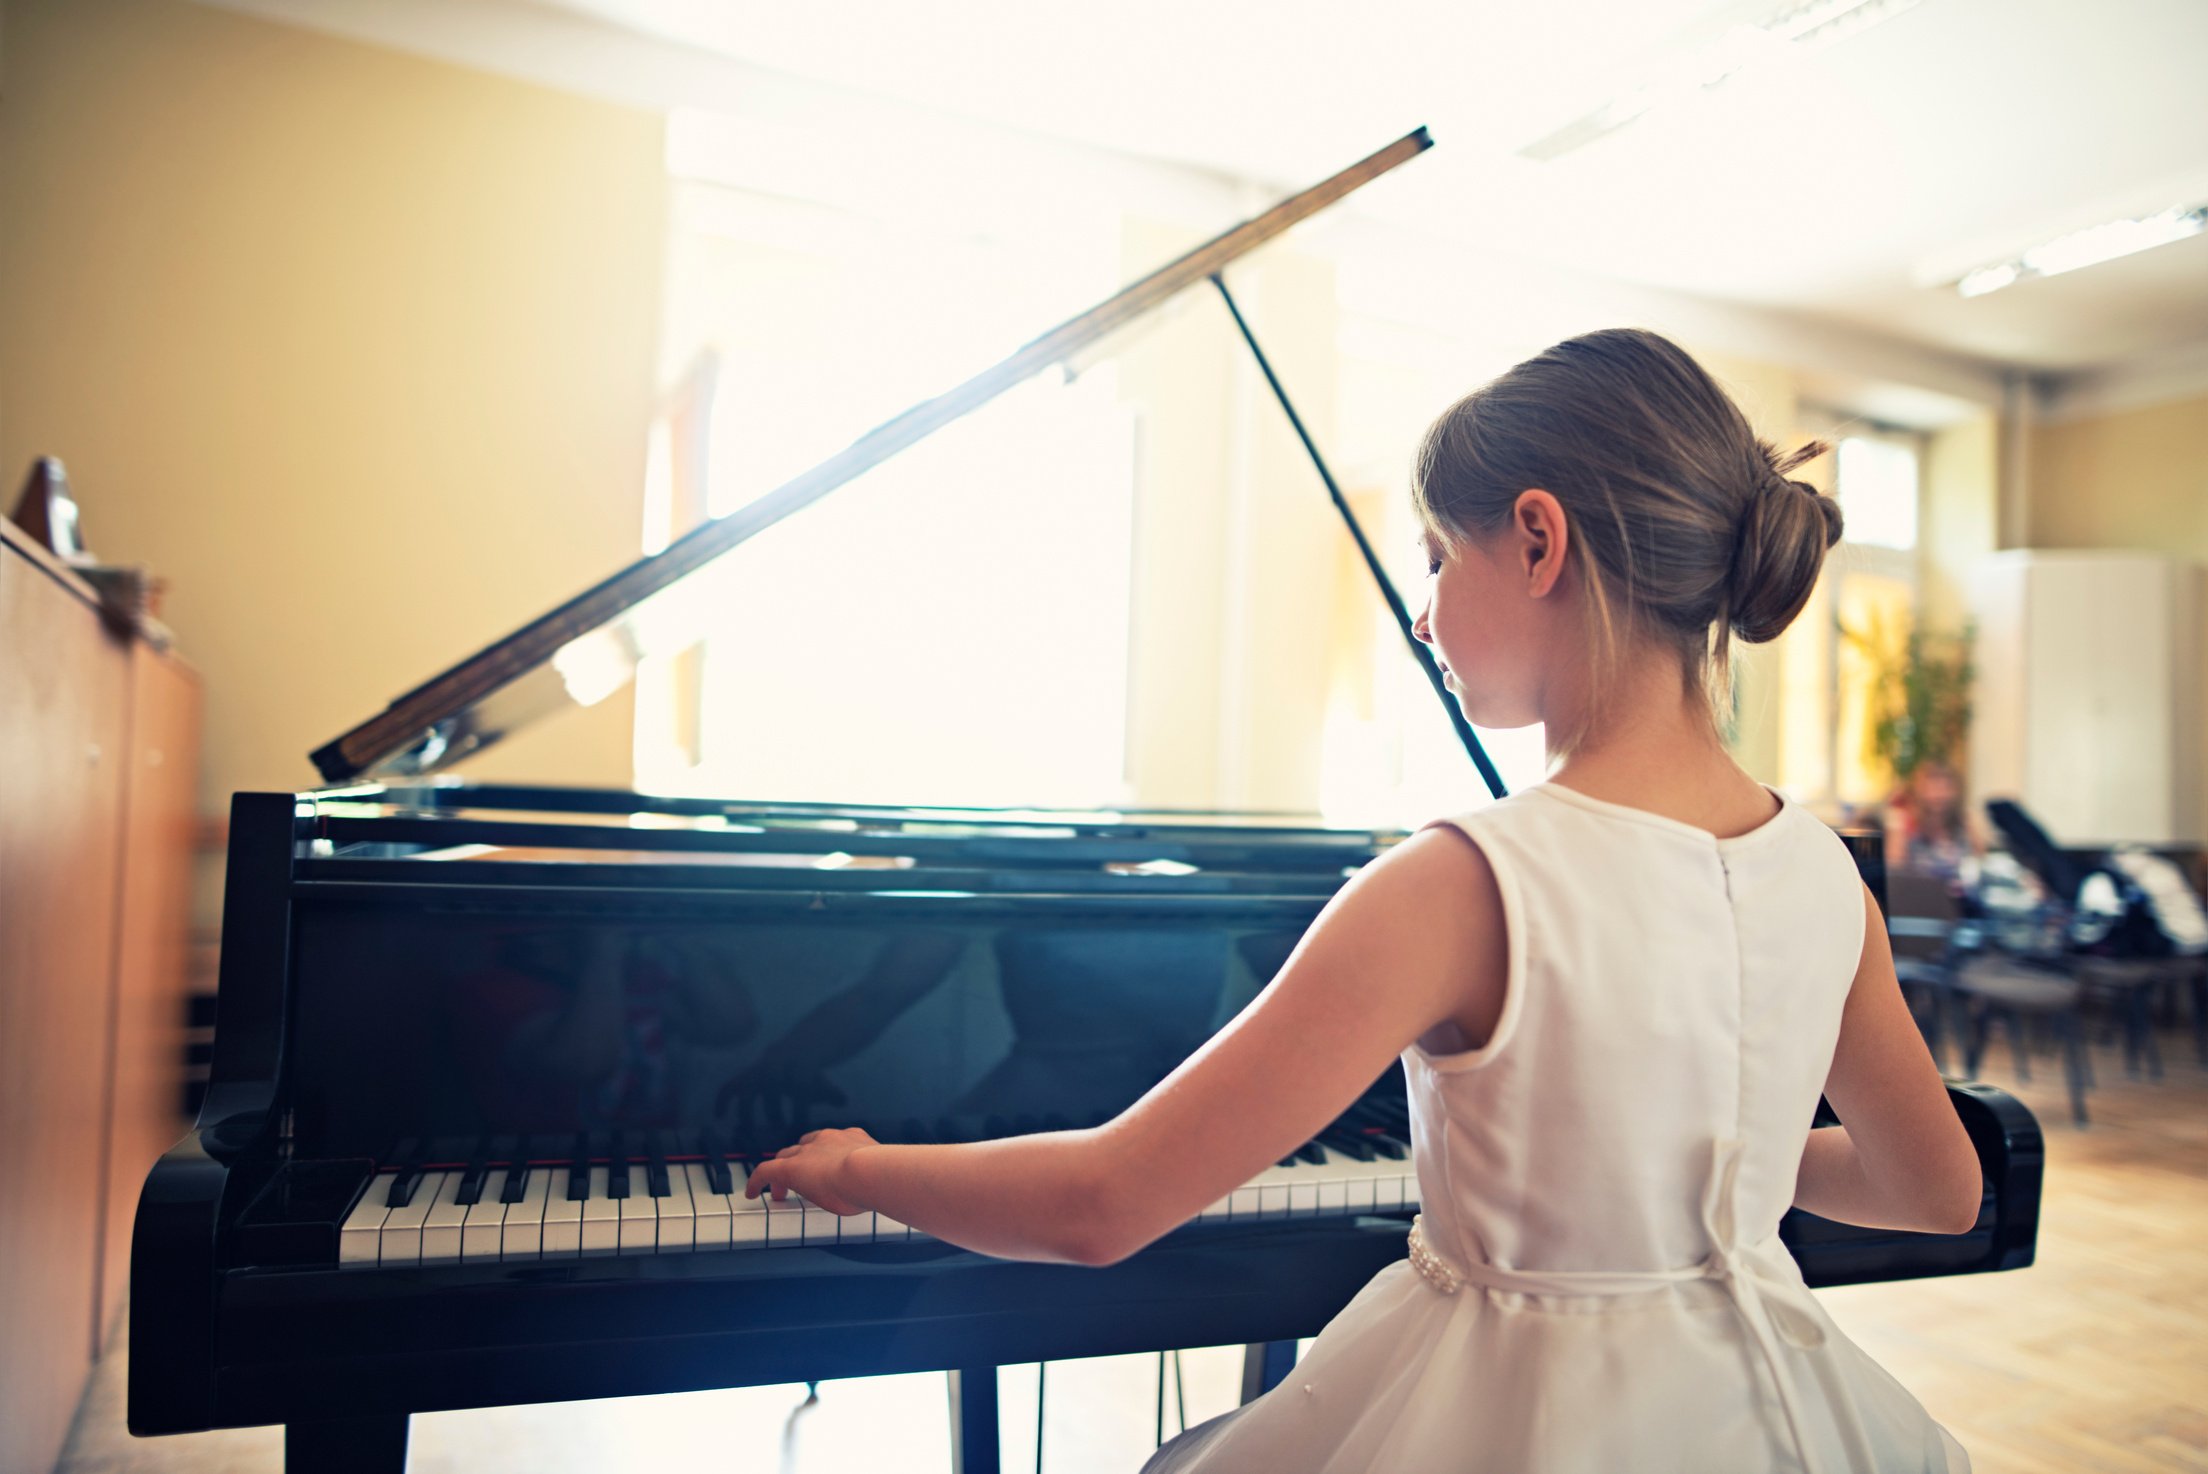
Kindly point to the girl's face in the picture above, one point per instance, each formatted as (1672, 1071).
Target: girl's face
(1487, 633)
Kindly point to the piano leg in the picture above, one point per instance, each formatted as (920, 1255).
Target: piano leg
(1265, 1365)
(974, 1447)
(346, 1446)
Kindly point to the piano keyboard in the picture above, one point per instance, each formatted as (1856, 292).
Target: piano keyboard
(479, 1215)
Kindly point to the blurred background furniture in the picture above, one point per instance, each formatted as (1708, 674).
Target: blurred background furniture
(99, 739)
(2089, 693)
(1921, 917)
(2017, 994)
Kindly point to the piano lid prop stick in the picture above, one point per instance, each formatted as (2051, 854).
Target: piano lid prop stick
(1424, 656)
(430, 726)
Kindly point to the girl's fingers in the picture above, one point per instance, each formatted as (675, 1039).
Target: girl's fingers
(807, 1138)
(788, 1151)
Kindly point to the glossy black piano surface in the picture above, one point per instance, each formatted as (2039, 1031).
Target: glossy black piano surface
(454, 980)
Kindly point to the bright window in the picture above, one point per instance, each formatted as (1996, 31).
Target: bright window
(951, 627)
(1877, 487)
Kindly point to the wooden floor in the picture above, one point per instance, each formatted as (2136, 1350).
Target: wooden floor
(2095, 1359)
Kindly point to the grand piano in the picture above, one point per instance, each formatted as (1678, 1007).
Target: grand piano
(491, 1062)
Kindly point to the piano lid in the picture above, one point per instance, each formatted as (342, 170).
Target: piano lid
(588, 647)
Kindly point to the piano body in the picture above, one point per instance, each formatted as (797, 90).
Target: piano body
(491, 1063)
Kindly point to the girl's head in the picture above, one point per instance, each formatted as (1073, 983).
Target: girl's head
(1606, 502)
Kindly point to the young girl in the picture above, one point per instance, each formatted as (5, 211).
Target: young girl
(1616, 997)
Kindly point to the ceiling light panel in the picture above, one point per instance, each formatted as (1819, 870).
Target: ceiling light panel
(2088, 247)
(1793, 31)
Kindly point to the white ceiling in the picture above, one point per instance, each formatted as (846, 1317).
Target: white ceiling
(1953, 134)
(1837, 185)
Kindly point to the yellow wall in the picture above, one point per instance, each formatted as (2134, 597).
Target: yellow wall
(2136, 479)
(1959, 515)
(1774, 738)
(355, 349)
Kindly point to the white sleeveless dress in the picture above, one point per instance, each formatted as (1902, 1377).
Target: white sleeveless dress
(1596, 1284)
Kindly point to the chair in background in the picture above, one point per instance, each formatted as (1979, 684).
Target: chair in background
(2015, 993)
(1959, 982)
(1921, 915)
(2129, 985)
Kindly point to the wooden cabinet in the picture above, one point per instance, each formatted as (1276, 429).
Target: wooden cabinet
(94, 843)
(145, 1098)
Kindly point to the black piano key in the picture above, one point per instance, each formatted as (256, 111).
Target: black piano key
(407, 1158)
(1349, 1144)
(1311, 1152)
(1387, 1146)
(517, 1173)
(655, 1169)
(470, 1191)
(617, 1168)
(578, 1171)
(717, 1175)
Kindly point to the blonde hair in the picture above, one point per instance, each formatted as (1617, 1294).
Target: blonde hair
(1691, 531)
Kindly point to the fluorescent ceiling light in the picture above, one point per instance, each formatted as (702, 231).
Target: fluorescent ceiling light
(2088, 247)
(1808, 26)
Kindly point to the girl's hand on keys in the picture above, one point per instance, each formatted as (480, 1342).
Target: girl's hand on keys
(811, 1169)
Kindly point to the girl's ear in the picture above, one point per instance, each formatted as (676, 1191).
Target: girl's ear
(1544, 537)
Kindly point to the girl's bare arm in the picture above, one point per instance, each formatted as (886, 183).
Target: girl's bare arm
(1902, 1159)
(1415, 938)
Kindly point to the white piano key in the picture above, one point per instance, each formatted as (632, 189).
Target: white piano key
(441, 1229)
(1334, 1182)
(888, 1230)
(563, 1218)
(784, 1226)
(1346, 1184)
(1220, 1209)
(709, 1209)
(1362, 1189)
(482, 1229)
(521, 1236)
(1410, 1189)
(752, 1220)
(1272, 1188)
(819, 1227)
(601, 1219)
(1243, 1203)
(677, 1220)
(1303, 1191)
(1387, 1194)
(358, 1239)
(400, 1242)
(639, 1216)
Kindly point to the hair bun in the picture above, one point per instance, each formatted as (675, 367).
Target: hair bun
(1785, 530)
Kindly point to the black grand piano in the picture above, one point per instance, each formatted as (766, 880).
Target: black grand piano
(491, 1062)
